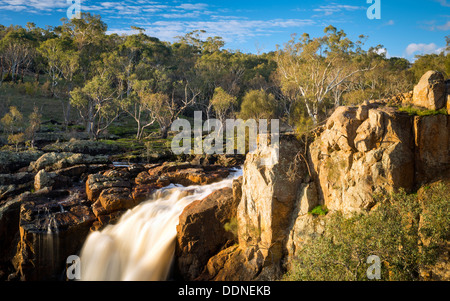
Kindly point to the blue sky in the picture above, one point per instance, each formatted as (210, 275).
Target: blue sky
(406, 27)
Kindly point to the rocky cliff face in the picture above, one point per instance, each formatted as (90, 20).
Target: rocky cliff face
(363, 151)
(267, 198)
(359, 153)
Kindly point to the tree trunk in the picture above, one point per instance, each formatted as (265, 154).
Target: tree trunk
(164, 132)
(90, 122)
(139, 130)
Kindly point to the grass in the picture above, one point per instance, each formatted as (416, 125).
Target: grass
(14, 95)
(414, 111)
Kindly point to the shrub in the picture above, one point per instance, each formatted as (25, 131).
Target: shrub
(16, 139)
(46, 89)
(257, 104)
(31, 89)
(319, 210)
(12, 121)
(404, 232)
(232, 226)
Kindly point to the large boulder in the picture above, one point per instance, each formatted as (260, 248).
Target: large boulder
(12, 161)
(111, 195)
(238, 264)
(45, 179)
(161, 175)
(197, 176)
(78, 159)
(74, 172)
(116, 198)
(47, 159)
(430, 92)
(363, 151)
(143, 192)
(269, 198)
(14, 184)
(87, 147)
(9, 228)
(98, 182)
(52, 226)
(201, 231)
(56, 161)
(432, 148)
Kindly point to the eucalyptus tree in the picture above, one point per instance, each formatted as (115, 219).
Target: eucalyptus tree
(88, 34)
(97, 103)
(17, 51)
(258, 104)
(222, 103)
(140, 64)
(140, 105)
(62, 63)
(310, 68)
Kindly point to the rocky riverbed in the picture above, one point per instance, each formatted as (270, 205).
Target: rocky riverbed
(50, 201)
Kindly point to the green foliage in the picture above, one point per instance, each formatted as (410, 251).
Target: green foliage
(12, 121)
(302, 122)
(82, 75)
(427, 62)
(222, 102)
(34, 120)
(232, 226)
(403, 231)
(16, 139)
(436, 213)
(319, 210)
(356, 97)
(414, 111)
(258, 104)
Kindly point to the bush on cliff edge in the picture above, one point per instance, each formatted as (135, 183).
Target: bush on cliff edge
(407, 233)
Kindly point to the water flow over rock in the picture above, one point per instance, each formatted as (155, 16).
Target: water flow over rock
(141, 245)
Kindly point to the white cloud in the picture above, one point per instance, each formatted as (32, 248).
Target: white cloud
(230, 30)
(389, 23)
(422, 48)
(189, 6)
(444, 3)
(117, 7)
(432, 25)
(383, 51)
(39, 5)
(194, 14)
(330, 9)
(13, 7)
(444, 27)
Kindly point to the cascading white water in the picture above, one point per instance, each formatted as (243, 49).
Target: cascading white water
(140, 247)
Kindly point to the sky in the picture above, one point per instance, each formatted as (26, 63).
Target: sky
(406, 27)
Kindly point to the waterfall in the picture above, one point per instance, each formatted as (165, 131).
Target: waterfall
(141, 246)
